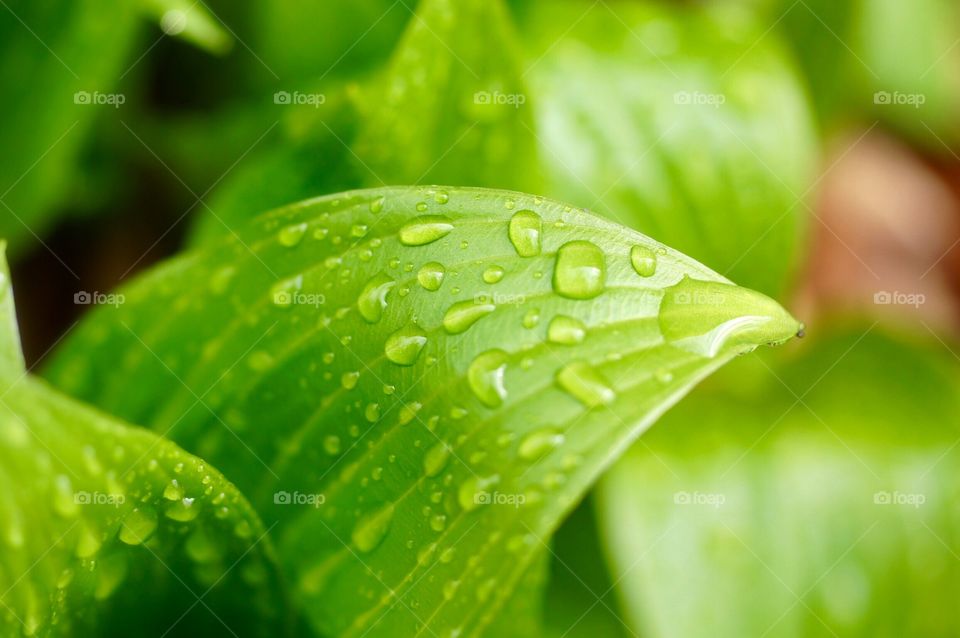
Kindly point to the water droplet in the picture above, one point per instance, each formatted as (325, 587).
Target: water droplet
(566, 331)
(372, 412)
(493, 274)
(292, 235)
(88, 542)
(539, 443)
(474, 492)
(64, 501)
(183, 510)
(404, 346)
(644, 260)
(579, 272)
(348, 380)
(524, 230)
(663, 375)
(485, 377)
(705, 317)
(331, 444)
(438, 522)
(584, 383)
(442, 197)
(436, 459)
(372, 528)
(373, 297)
(463, 314)
(138, 525)
(260, 361)
(424, 230)
(531, 319)
(358, 230)
(450, 589)
(431, 276)
(173, 491)
(409, 412)
(283, 293)
(376, 205)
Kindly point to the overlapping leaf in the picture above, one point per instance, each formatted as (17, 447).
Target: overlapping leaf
(416, 384)
(109, 528)
(825, 508)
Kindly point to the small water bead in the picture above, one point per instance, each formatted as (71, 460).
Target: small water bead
(292, 235)
(438, 522)
(88, 542)
(431, 276)
(663, 375)
(260, 361)
(457, 413)
(348, 380)
(332, 262)
(493, 274)
(644, 260)
(580, 270)
(183, 510)
(421, 207)
(138, 525)
(474, 491)
(485, 377)
(284, 292)
(436, 459)
(531, 319)
(450, 589)
(358, 230)
(376, 205)
(442, 197)
(320, 233)
(372, 412)
(331, 444)
(173, 491)
(583, 382)
(65, 503)
(447, 555)
(372, 529)
(424, 230)
(539, 443)
(408, 412)
(404, 346)
(566, 331)
(463, 314)
(525, 230)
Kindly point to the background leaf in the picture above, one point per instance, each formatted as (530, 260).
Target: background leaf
(816, 509)
(439, 371)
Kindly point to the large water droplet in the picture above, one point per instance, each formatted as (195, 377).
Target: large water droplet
(372, 528)
(138, 525)
(586, 384)
(644, 260)
(431, 275)
(566, 331)
(404, 346)
(493, 274)
(373, 297)
(580, 271)
(424, 230)
(525, 230)
(292, 235)
(463, 314)
(705, 317)
(539, 443)
(485, 377)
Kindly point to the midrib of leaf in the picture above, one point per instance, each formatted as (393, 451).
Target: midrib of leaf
(308, 538)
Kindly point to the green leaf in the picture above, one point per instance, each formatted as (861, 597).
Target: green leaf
(107, 526)
(71, 54)
(390, 354)
(451, 107)
(688, 124)
(822, 498)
